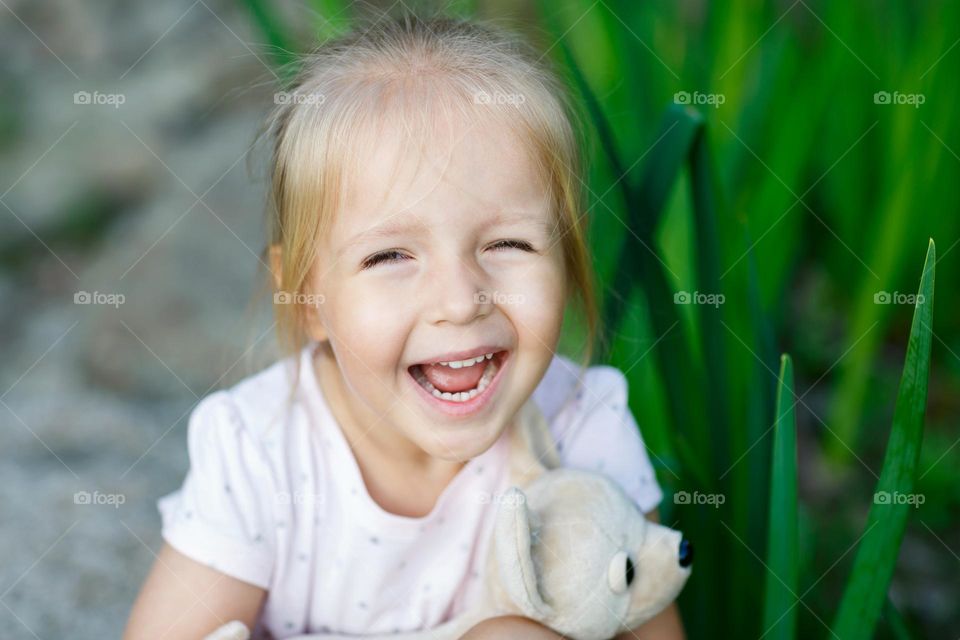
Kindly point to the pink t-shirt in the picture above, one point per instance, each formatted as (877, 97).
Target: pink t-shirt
(274, 497)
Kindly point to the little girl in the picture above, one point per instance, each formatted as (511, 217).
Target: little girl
(427, 235)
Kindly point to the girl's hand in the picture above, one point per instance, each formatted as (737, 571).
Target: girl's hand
(234, 630)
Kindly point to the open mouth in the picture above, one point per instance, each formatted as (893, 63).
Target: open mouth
(459, 381)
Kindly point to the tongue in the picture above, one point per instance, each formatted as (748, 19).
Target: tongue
(454, 380)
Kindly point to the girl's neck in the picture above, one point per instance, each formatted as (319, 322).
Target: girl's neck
(381, 444)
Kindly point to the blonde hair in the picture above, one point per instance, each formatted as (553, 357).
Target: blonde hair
(412, 68)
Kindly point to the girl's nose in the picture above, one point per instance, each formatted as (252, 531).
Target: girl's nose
(457, 294)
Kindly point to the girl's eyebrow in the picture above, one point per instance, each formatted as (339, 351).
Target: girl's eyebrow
(391, 227)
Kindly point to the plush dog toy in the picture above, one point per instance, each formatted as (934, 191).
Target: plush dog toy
(570, 550)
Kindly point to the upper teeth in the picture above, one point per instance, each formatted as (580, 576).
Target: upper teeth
(456, 364)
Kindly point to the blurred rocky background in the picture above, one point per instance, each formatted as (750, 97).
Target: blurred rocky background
(130, 234)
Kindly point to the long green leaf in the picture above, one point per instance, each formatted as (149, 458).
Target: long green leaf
(640, 265)
(638, 262)
(873, 567)
(332, 18)
(705, 212)
(897, 625)
(277, 35)
(780, 602)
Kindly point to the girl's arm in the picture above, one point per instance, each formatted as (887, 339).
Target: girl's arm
(666, 625)
(183, 599)
(508, 628)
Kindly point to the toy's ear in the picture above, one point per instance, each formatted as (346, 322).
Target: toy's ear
(514, 540)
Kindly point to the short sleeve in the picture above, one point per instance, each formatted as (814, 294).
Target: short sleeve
(596, 431)
(222, 515)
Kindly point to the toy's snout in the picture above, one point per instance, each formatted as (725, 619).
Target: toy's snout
(685, 556)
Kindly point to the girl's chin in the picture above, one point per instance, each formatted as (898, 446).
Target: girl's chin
(460, 444)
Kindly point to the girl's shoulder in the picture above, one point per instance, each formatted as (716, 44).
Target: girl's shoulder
(589, 416)
(570, 388)
(226, 513)
(255, 419)
(256, 403)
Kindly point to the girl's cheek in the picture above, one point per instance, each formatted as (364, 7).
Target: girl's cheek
(541, 280)
(355, 314)
(534, 294)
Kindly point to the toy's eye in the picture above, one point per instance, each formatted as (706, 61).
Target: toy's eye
(621, 572)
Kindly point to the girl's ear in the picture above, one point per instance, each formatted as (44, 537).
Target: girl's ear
(310, 318)
(314, 327)
(276, 264)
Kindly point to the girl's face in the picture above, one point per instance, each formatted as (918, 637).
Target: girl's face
(453, 259)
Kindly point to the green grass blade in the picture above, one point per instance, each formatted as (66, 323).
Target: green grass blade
(679, 132)
(672, 145)
(873, 567)
(780, 610)
(602, 126)
(895, 622)
(638, 261)
(705, 211)
(332, 18)
(761, 402)
(282, 51)
(461, 8)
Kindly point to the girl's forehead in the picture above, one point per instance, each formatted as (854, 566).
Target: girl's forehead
(459, 165)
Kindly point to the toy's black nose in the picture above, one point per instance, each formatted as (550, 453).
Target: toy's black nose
(686, 553)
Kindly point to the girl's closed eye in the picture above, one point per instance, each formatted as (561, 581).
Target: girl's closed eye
(390, 255)
(394, 255)
(523, 245)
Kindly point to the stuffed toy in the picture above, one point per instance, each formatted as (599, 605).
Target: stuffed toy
(570, 550)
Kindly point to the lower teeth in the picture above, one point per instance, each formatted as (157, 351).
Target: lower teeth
(459, 396)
